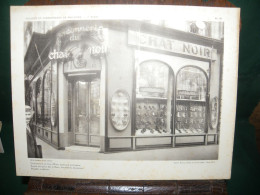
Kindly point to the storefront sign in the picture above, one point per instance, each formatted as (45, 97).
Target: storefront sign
(58, 55)
(80, 29)
(78, 33)
(93, 50)
(97, 50)
(170, 45)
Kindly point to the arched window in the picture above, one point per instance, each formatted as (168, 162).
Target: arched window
(191, 93)
(154, 84)
(47, 99)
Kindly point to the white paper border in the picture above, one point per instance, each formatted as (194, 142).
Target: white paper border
(130, 170)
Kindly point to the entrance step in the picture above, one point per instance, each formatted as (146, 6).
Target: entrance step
(82, 149)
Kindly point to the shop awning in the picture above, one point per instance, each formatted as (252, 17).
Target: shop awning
(37, 53)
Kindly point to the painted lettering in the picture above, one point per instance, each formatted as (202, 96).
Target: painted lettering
(153, 41)
(207, 53)
(186, 48)
(194, 50)
(167, 44)
(143, 39)
(96, 50)
(58, 55)
(162, 43)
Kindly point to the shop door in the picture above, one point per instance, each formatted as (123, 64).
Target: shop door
(86, 112)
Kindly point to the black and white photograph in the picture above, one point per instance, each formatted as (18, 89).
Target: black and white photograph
(123, 89)
(144, 89)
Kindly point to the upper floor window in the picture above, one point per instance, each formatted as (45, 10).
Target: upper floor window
(200, 27)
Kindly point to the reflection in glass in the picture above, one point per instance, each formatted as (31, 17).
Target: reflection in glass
(87, 111)
(47, 99)
(54, 92)
(152, 79)
(94, 106)
(82, 107)
(39, 101)
(192, 84)
(191, 101)
(154, 89)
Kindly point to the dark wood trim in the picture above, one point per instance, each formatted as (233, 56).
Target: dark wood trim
(79, 186)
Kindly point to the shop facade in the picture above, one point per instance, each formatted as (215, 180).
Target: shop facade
(124, 85)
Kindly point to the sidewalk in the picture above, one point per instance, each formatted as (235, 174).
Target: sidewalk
(209, 152)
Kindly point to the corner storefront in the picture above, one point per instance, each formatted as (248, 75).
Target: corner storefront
(124, 85)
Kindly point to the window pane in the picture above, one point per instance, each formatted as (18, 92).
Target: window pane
(39, 101)
(191, 84)
(54, 97)
(94, 106)
(152, 79)
(191, 101)
(154, 89)
(82, 106)
(47, 99)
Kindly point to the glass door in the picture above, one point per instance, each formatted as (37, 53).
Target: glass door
(86, 112)
(94, 112)
(81, 130)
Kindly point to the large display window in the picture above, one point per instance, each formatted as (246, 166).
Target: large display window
(47, 99)
(39, 101)
(191, 96)
(154, 98)
(54, 99)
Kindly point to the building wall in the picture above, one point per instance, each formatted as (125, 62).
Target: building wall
(215, 85)
(122, 61)
(120, 70)
(50, 134)
(119, 74)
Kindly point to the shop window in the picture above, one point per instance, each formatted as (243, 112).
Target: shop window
(39, 101)
(191, 93)
(154, 84)
(53, 102)
(47, 99)
(32, 100)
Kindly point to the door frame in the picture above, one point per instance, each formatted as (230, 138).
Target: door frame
(73, 79)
